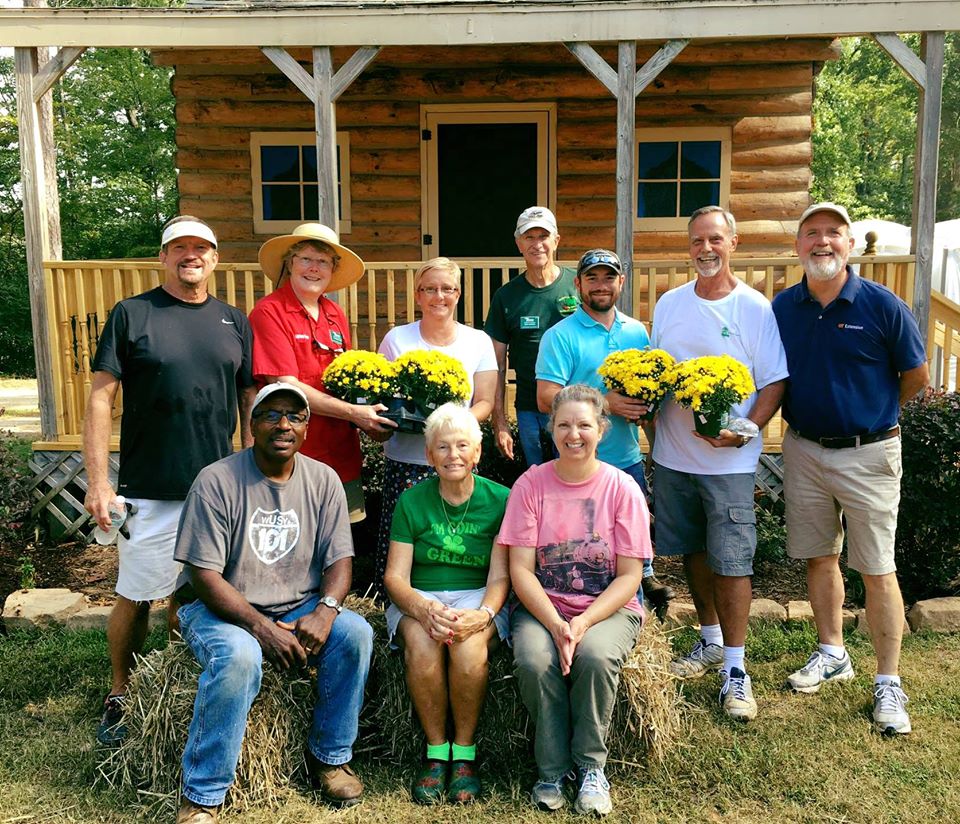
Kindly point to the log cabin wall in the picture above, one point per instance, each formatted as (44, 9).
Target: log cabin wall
(761, 90)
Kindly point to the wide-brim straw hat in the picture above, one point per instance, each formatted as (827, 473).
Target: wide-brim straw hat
(349, 269)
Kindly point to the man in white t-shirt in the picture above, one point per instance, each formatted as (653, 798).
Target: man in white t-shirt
(703, 487)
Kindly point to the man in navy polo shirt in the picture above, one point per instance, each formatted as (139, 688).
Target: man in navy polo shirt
(855, 355)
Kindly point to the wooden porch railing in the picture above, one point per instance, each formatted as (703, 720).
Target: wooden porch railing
(943, 341)
(82, 293)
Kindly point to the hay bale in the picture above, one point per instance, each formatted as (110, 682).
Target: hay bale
(158, 710)
(647, 721)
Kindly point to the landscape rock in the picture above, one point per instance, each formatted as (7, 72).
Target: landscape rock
(849, 618)
(89, 618)
(26, 608)
(799, 611)
(680, 614)
(863, 626)
(936, 614)
(763, 609)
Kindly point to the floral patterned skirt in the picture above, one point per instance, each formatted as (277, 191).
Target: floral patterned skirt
(397, 476)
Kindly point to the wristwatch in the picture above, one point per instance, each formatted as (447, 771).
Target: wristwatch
(490, 612)
(744, 440)
(333, 603)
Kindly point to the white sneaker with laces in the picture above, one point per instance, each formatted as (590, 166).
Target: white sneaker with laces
(594, 795)
(736, 696)
(889, 709)
(820, 669)
(700, 660)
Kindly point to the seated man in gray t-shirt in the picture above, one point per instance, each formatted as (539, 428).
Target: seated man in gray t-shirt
(265, 537)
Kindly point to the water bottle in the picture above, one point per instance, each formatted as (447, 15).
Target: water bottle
(118, 514)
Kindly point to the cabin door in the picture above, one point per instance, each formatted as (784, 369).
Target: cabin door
(481, 166)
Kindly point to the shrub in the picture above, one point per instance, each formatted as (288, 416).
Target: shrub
(14, 492)
(928, 532)
(771, 530)
(493, 465)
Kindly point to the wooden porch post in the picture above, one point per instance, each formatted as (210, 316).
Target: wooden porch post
(626, 84)
(36, 232)
(626, 163)
(323, 88)
(927, 72)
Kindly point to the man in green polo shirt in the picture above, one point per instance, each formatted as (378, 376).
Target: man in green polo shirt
(520, 312)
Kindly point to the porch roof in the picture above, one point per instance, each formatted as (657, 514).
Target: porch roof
(457, 22)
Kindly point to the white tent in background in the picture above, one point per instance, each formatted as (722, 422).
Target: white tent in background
(892, 238)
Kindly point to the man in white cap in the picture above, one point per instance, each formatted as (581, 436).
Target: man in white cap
(268, 559)
(855, 355)
(184, 360)
(520, 312)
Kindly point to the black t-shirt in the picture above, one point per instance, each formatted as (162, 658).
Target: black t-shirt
(180, 366)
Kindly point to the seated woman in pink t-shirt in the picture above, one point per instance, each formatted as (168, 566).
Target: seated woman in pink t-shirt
(577, 531)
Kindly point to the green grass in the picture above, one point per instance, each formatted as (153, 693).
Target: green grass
(805, 758)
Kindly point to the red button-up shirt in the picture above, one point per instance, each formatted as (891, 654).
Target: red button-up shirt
(287, 341)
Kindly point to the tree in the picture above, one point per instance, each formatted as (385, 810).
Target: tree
(865, 120)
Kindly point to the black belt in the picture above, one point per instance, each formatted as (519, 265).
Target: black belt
(851, 441)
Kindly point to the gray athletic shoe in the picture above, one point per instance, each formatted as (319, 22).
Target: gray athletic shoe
(820, 669)
(701, 659)
(736, 696)
(593, 797)
(889, 709)
(548, 795)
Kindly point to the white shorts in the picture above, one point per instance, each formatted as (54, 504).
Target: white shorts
(147, 569)
(458, 599)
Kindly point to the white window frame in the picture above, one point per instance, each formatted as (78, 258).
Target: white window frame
(681, 134)
(260, 139)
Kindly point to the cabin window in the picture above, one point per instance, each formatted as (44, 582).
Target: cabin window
(284, 169)
(678, 171)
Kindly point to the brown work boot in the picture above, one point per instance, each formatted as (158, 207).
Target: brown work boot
(338, 784)
(190, 813)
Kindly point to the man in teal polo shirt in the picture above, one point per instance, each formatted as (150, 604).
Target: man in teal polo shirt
(855, 354)
(520, 313)
(573, 350)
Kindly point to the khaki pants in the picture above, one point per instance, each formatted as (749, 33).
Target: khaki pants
(571, 714)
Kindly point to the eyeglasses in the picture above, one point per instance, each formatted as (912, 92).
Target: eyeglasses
(599, 257)
(314, 263)
(274, 416)
(433, 291)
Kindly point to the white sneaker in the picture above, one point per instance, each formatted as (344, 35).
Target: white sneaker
(889, 709)
(594, 794)
(736, 696)
(820, 669)
(701, 659)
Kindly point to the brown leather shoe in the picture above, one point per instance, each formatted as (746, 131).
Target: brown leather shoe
(190, 813)
(338, 785)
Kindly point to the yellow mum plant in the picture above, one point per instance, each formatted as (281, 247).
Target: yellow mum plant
(358, 376)
(643, 374)
(711, 384)
(431, 378)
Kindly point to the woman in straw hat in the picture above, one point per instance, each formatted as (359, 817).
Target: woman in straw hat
(297, 332)
(447, 580)
(437, 287)
(577, 531)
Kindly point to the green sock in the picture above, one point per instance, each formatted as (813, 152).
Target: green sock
(438, 752)
(462, 753)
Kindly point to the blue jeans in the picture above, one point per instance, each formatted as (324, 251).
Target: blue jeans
(232, 664)
(635, 471)
(532, 427)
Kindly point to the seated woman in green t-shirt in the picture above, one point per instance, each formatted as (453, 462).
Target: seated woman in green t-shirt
(448, 580)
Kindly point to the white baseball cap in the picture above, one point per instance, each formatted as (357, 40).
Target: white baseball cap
(188, 228)
(838, 210)
(271, 388)
(539, 216)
